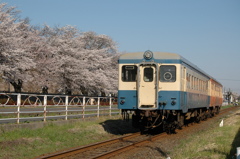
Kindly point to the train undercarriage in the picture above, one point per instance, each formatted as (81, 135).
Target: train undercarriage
(167, 120)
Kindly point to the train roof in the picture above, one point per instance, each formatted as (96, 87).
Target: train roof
(160, 57)
(156, 55)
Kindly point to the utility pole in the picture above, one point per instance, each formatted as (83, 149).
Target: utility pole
(229, 94)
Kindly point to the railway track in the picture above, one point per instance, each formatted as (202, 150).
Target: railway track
(102, 149)
(113, 147)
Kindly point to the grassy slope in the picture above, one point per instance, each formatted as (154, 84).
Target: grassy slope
(215, 143)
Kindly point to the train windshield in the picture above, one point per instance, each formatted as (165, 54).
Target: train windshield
(148, 74)
(167, 73)
(129, 73)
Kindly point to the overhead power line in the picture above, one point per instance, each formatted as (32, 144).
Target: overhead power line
(229, 79)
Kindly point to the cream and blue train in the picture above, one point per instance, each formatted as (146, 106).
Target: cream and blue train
(164, 90)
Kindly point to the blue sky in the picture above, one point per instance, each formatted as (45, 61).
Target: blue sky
(206, 32)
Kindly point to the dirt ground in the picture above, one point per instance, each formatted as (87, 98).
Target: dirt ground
(161, 148)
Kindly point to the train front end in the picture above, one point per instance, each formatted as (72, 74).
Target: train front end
(140, 91)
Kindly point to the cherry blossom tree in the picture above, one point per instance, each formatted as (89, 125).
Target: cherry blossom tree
(60, 58)
(79, 61)
(16, 38)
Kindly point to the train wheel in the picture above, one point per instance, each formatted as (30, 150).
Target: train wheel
(218, 110)
(210, 113)
(180, 120)
(198, 119)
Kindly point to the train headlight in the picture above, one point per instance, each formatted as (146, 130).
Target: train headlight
(122, 102)
(148, 55)
(173, 103)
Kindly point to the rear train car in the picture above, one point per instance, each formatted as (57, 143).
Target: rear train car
(164, 90)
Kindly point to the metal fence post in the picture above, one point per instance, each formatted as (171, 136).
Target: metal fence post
(66, 104)
(84, 102)
(98, 104)
(45, 108)
(110, 105)
(18, 107)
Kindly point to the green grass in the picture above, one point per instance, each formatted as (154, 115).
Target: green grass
(28, 143)
(227, 106)
(215, 143)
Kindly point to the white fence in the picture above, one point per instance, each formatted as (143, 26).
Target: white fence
(18, 107)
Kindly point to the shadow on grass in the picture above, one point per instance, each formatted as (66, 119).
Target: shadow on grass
(235, 144)
(160, 151)
(119, 127)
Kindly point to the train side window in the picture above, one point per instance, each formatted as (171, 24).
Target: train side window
(190, 86)
(192, 82)
(167, 73)
(129, 73)
(148, 74)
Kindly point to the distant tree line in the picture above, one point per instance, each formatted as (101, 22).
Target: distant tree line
(56, 58)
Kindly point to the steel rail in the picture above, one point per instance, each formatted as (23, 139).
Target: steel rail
(76, 150)
(125, 148)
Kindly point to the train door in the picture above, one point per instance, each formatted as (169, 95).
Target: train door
(147, 86)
